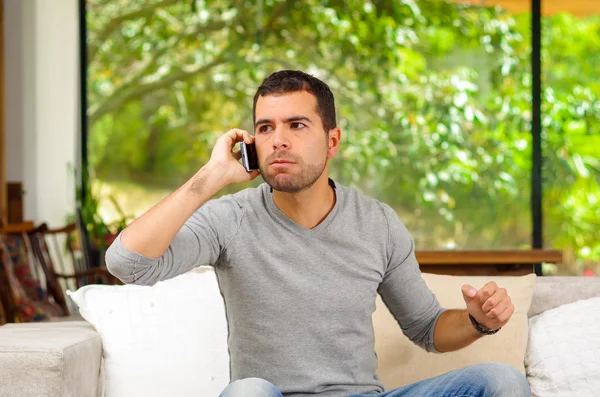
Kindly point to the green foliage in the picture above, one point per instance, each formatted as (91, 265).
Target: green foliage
(89, 200)
(433, 99)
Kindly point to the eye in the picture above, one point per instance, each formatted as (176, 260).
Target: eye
(297, 125)
(264, 128)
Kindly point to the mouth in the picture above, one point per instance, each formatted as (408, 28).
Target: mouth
(282, 162)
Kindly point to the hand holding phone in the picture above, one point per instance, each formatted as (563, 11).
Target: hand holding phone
(225, 158)
(249, 157)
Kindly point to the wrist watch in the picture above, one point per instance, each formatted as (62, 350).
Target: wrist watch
(480, 329)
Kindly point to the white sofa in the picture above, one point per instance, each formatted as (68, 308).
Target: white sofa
(65, 358)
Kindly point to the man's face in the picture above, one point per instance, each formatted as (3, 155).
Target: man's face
(291, 144)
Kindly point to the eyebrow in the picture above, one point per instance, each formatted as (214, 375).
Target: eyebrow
(291, 119)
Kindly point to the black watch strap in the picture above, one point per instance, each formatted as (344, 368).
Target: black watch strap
(480, 329)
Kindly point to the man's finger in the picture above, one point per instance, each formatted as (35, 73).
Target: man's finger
(468, 292)
(502, 318)
(237, 154)
(248, 138)
(506, 315)
(498, 296)
(237, 135)
(486, 291)
(497, 310)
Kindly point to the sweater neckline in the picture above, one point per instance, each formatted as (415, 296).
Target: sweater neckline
(320, 228)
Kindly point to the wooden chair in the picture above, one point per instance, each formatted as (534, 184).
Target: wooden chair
(3, 319)
(41, 237)
(36, 242)
(6, 288)
(11, 290)
(23, 299)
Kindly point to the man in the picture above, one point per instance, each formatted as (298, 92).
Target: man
(301, 259)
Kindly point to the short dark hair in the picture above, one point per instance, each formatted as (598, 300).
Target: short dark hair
(286, 81)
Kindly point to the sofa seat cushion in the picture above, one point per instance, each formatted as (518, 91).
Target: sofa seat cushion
(49, 359)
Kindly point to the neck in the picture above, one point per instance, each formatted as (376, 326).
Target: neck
(308, 207)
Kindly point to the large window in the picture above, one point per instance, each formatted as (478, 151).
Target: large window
(571, 133)
(433, 98)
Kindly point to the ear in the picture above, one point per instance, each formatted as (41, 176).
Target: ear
(333, 142)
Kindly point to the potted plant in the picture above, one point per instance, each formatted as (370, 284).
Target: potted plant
(100, 234)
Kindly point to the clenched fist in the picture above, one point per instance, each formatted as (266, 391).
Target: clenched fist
(490, 306)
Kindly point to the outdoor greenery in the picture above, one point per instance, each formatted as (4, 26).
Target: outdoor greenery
(433, 99)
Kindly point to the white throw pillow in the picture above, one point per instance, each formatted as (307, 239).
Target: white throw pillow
(166, 340)
(563, 355)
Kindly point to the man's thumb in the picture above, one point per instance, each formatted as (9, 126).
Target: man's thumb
(468, 292)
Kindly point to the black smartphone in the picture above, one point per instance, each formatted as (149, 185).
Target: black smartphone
(249, 157)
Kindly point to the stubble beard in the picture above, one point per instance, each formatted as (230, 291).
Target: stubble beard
(294, 183)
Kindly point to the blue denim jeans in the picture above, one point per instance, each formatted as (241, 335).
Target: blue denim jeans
(480, 380)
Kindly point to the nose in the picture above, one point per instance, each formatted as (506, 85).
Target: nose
(281, 139)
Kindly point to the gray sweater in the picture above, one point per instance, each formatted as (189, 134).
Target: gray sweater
(299, 301)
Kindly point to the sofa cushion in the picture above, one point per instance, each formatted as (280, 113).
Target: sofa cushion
(551, 292)
(166, 340)
(401, 362)
(49, 359)
(563, 355)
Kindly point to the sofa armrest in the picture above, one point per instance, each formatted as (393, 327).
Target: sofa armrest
(50, 359)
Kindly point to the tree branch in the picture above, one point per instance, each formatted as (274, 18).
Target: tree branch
(113, 102)
(135, 77)
(116, 22)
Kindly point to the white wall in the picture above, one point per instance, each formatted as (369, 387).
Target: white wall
(42, 100)
(18, 82)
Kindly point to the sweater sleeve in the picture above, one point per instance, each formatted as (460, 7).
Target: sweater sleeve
(411, 302)
(199, 242)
